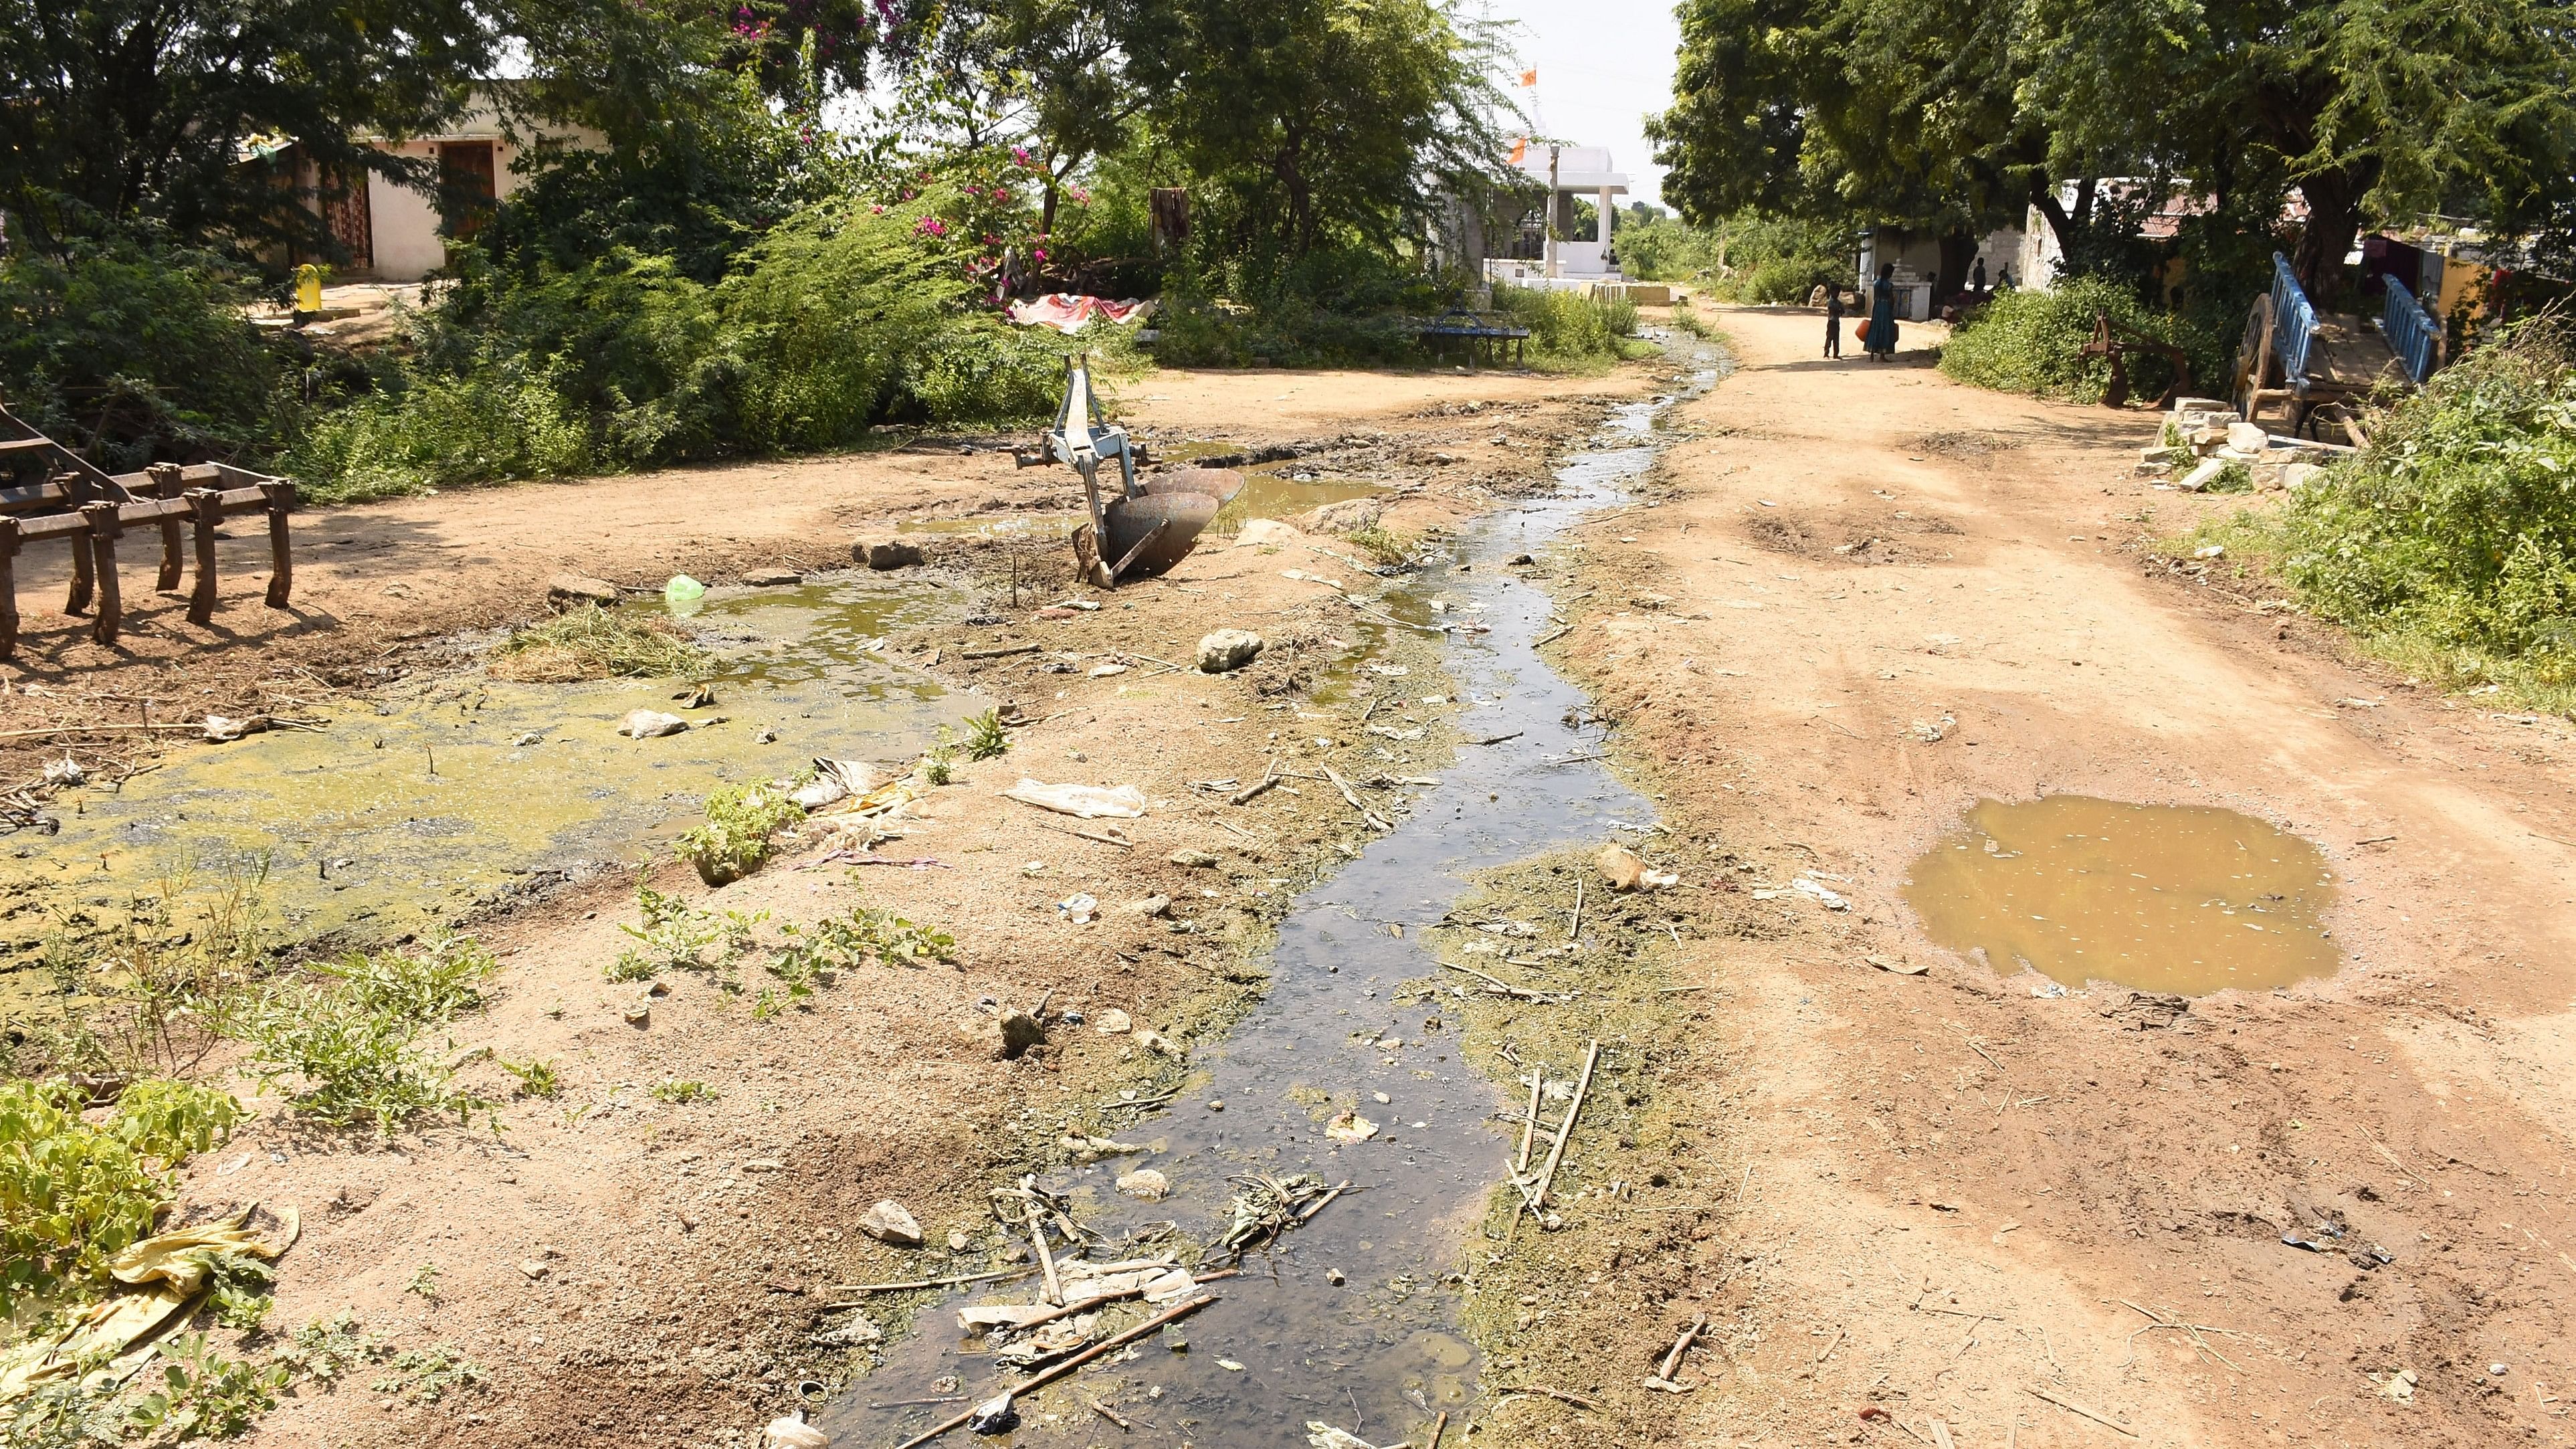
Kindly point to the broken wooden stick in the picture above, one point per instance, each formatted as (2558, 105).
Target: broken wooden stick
(1318, 1204)
(929, 1282)
(1036, 1224)
(1565, 1129)
(1056, 1371)
(1529, 1122)
(1560, 1395)
(1496, 986)
(1353, 797)
(2072, 1407)
(1439, 1427)
(1106, 1412)
(1000, 652)
(1574, 927)
(1663, 1378)
(1245, 795)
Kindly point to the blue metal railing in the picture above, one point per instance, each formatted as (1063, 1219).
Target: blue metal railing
(2294, 323)
(2410, 331)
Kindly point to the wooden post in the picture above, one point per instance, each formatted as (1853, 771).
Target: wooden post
(8, 588)
(281, 578)
(208, 512)
(166, 484)
(82, 579)
(104, 527)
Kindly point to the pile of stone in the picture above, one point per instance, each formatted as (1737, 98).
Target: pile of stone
(2217, 438)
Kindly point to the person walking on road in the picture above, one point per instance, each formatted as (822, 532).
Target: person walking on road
(1834, 320)
(1880, 340)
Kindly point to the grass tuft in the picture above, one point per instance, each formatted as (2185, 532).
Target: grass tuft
(589, 642)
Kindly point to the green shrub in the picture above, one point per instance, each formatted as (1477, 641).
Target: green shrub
(2450, 543)
(735, 840)
(2033, 342)
(204, 1395)
(984, 737)
(72, 1194)
(1568, 327)
(138, 351)
(351, 1044)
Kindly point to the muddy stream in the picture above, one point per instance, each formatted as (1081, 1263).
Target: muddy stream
(1353, 1319)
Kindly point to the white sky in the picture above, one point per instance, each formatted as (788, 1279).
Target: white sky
(1602, 66)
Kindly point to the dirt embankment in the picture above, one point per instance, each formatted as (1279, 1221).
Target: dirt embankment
(643, 1258)
(1947, 1196)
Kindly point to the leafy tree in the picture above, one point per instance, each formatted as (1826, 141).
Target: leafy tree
(2374, 110)
(1318, 120)
(112, 110)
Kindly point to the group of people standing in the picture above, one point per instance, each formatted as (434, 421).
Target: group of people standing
(1878, 335)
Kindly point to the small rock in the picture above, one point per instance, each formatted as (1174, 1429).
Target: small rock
(2201, 477)
(1152, 906)
(1227, 650)
(534, 1268)
(1216, 1104)
(1154, 1041)
(887, 1222)
(532, 737)
(650, 724)
(2295, 476)
(790, 1431)
(764, 1164)
(1113, 1022)
(1270, 532)
(764, 736)
(958, 1242)
(1348, 516)
(1521, 559)
(1020, 1031)
(1620, 866)
(566, 590)
(891, 554)
(639, 1014)
(772, 578)
(1144, 1183)
(65, 771)
(1350, 1127)
(2248, 437)
(1334, 1277)
(1195, 859)
(697, 696)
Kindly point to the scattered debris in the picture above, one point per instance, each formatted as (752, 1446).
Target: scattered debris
(1350, 1126)
(1086, 802)
(1269, 1206)
(790, 1431)
(1899, 965)
(1146, 1184)
(650, 724)
(2399, 1387)
(1620, 866)
(1662, 1378)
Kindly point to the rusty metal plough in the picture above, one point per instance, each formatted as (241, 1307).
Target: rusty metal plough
(47, 493)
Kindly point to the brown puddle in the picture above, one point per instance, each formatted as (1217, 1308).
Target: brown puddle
(2176, 898)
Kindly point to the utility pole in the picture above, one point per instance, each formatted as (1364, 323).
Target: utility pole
(1553, 150)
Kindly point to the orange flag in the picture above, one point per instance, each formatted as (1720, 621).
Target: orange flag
(1529, 77)
(1520, 148)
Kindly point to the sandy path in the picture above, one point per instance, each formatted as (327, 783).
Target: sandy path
(1950, 1184)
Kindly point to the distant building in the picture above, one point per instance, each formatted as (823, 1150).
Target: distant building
(390, 232)
(1552, 241)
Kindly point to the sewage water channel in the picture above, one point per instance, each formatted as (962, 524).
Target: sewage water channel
(2173, 898)
(1382, 1352)
(452, 789)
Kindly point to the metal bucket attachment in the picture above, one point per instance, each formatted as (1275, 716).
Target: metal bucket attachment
(1220, 484)
(1135, 548)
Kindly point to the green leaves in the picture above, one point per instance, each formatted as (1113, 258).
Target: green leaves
(350, 1047)
(74, 1195)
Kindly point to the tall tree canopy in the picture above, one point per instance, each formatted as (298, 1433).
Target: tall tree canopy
(2375, 111)
(116, 109)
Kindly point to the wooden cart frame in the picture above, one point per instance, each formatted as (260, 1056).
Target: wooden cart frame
(49, 493)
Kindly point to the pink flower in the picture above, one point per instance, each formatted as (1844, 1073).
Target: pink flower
(1038, 252)
(931, 226)
(877, 209)
(1020, 155)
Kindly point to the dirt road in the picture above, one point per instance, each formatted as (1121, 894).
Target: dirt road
(1949, 1206)
(1950, 1197)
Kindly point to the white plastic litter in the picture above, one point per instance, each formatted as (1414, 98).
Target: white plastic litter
(1089, 802)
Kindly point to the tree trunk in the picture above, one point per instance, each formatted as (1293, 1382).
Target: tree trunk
(1958, 250)
(2334, 219)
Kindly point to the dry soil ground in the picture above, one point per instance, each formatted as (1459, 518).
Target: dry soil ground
(1944, 1197)
(628, 1268)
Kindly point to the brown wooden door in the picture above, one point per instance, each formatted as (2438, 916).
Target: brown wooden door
(345, 211)
(466, 185)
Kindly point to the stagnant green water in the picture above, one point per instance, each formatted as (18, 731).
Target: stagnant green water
(449, 790)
